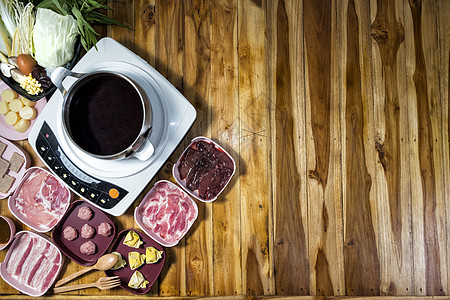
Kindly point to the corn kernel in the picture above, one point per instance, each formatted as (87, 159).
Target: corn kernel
(31, 85)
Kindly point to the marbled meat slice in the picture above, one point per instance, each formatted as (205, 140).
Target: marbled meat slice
(42, 199)
(34, 262)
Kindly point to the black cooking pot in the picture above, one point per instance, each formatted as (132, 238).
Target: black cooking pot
(106, 114)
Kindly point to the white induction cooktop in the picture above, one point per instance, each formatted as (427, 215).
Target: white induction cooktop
(113, 185)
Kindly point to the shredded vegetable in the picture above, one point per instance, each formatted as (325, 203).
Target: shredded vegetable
(25, 19)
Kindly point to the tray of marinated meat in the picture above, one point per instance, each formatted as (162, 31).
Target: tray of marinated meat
(204, 169)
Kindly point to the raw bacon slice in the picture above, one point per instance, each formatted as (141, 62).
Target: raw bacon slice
(34, 262)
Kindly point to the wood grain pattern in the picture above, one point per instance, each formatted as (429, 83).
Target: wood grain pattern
(325, 219)
(254, 124)
(290, 240)
(392, 182)
(196, 88)
(434, 271)
(226, 215)
(337, 115)
(360, 242)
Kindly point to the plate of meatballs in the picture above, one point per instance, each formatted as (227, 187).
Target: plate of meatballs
(84, 233)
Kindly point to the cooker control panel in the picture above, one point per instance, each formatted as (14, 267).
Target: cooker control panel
(102, 193)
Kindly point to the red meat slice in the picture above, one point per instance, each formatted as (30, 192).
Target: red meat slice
(188, 161)
(213, 182)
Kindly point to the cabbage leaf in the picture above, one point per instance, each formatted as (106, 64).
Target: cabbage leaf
(54, 38)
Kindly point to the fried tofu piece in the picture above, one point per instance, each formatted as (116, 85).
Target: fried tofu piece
(4, 166)
(16, 161)
(6, 183)
(2, 148)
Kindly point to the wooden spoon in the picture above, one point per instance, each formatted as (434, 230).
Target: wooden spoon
(103, 263)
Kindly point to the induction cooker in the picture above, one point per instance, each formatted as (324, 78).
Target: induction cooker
(113, 185)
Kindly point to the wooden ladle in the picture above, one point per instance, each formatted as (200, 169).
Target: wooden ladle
(103, 263)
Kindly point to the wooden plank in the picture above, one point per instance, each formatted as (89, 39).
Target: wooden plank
(392, 181)
(360, 238)
(444, 67)
(257, 277)
(290, 241)
(225, 128)
(429, 217)
(169, 62)
(322, 33)
(145, 30)
(197, 88)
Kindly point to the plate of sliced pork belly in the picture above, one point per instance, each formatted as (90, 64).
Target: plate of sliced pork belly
(32, 263)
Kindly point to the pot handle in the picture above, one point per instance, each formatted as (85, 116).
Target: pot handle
(58, 76)
(145, 151)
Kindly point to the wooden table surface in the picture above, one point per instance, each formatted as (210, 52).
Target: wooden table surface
(337, 115)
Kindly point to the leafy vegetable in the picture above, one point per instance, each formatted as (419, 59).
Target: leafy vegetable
(8, 14)
(54, 38)
(5, 40)
(87, 14)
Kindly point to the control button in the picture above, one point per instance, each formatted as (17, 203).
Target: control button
(83, 189)
(93, 195)
(43, 149)
(57, 153)
(57, 167)
(73, 183)
(105, 202)
(113, 193)
(64, 176)
(94, 184)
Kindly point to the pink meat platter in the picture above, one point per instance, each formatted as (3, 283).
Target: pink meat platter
(71, 248)
(40, 199)
(204, 169)
(8, 150)
(166, 213)
(149, 271)
(32, 263)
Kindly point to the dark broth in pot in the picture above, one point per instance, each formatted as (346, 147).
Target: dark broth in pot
(105, 115)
